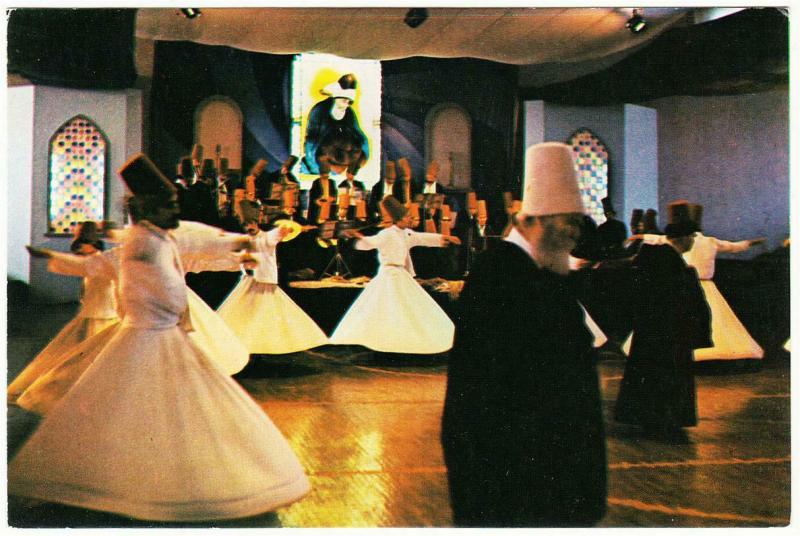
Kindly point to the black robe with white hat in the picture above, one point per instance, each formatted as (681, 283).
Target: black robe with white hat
(522, 430)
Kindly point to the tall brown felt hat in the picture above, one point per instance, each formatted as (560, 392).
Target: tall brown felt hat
(207, 168)
(258, 167)
(405, 168)
(696, 215)
(394, 207)
(390, 171)
(290, 161)
(142, 177)
(185, 168)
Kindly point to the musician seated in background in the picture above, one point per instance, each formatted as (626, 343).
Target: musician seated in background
(322, 200)
(382, 190)
(200, 200)
(431, 186)
(356, 192)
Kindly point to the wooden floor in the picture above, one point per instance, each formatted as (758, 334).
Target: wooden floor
(366, 428)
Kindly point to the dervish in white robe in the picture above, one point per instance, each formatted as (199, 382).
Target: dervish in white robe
(394, 313)
(46, 382)
(261, 314)
(98, 311)
(730, 337)
(154, 429)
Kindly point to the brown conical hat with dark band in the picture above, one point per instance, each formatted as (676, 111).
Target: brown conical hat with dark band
(197, 152)
(405, 167)
(696, 215)
(207, 168)
(142, 177)
(390, 171)
(678, 211)
(258, 168)
(649, 220)
(680, 224)
(394, 207)
(636, 217)
(290, 161)
(185, 168)
(433, 170)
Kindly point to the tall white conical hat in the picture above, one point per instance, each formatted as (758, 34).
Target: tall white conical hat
(551, 185)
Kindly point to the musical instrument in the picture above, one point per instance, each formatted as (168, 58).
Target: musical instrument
(294, 228)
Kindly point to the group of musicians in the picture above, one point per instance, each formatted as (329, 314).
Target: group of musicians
(210, 193)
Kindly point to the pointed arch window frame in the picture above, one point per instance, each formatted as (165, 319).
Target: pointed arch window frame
(597, 213)
(51, 232)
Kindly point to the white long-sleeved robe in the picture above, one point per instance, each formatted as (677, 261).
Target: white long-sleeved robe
(153, 429)
(98, 311)
(261, 314)
(393, 313)
(51, 374)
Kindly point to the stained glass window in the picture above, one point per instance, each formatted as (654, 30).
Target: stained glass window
(77, 175)
(591, 162)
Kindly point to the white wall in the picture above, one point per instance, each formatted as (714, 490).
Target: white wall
(19, 144)
(118, 115)
(640, 181)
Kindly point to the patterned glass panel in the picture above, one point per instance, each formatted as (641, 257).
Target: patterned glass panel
(77, 175)
(591, 162)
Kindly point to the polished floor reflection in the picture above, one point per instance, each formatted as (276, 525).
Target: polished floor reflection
(366, 428)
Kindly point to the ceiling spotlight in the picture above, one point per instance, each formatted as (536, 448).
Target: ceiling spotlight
(416, 16)
(190, 12)
(636, 24)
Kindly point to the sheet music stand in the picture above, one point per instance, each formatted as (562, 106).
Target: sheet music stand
(329, 230)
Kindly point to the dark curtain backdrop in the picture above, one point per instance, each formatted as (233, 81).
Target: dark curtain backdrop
(186, 73)
(75, 48)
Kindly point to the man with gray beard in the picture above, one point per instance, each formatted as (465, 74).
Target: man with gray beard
(522, 430)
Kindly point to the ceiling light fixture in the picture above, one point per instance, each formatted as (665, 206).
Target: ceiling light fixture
(637, 23)
(190, 12)
(416, 16)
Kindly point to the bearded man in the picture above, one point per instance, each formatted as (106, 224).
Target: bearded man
(522, 430)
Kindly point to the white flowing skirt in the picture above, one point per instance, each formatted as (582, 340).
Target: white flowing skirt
(154, 430)
(730, 337)
(394, 314)
(599, 337)
(267, 321)
(218, 342)
(64, 343)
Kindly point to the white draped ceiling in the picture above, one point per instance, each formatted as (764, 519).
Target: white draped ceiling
(520, 36)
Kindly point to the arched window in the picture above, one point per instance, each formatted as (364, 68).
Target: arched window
(591, 162)
(77, 175)
(448, 141)
(218, 122)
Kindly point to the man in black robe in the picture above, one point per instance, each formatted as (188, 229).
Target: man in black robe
(670, 318)
(522, 429)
